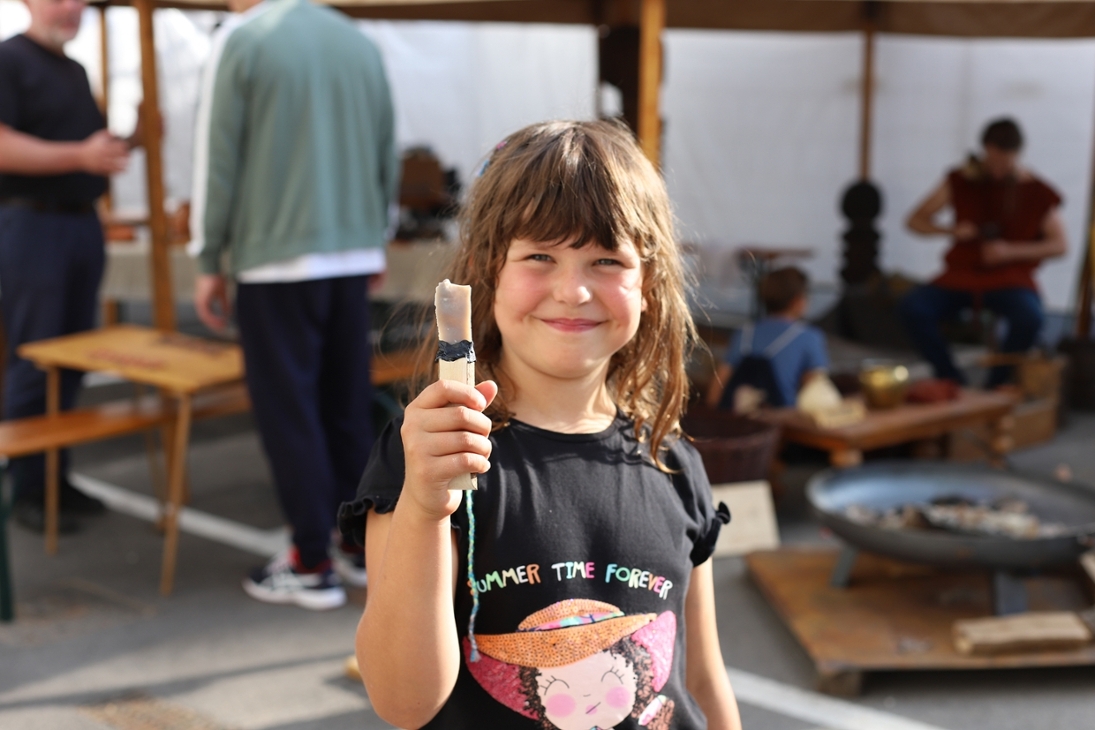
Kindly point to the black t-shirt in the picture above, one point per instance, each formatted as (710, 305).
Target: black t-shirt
(48, 96)
(583, 554)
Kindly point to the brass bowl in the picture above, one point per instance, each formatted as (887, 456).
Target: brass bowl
(884, 386)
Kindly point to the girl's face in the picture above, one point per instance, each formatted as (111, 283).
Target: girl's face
(596, 692)
(564, 312)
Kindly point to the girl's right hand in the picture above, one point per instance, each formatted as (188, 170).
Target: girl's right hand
(445, 434)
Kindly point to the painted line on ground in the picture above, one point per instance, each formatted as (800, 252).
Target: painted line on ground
(264, 543)
(813, 707)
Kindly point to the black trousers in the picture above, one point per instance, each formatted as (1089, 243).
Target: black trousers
(306, 349)
(51, 265)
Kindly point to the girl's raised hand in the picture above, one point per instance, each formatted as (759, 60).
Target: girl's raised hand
(445, 434)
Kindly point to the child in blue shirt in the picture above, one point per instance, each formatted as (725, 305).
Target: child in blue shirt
(776, 355)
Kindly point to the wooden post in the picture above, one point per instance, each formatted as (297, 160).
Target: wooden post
(53, 463)
(163, 302)
(104, 63)
(176, 485)
(104, 89)
(651, 25)
(867, 96)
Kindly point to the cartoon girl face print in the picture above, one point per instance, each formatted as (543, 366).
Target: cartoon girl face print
(581, 665)
(596, 692)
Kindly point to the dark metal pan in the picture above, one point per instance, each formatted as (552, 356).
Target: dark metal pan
(886, 485)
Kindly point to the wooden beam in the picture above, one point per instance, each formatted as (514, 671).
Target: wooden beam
(1086, 285)
(867, 98)
(651, 26)
(104, 63)
(104, 91)
(163, 303)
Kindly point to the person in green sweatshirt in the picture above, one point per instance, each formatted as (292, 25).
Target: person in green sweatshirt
(295, 169)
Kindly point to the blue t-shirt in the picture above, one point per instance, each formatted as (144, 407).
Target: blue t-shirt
(800, 355)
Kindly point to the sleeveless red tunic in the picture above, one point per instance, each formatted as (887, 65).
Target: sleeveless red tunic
(1016, 210)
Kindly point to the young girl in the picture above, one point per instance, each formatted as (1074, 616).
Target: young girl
(564, 591)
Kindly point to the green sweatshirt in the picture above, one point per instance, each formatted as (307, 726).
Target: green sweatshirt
(299, 153)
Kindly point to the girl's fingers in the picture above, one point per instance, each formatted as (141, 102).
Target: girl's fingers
(488, 389)
(444, 393)
(457, 442)
(459, 418)
(470, 464)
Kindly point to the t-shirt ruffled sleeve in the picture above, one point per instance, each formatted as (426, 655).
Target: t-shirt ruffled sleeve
(380, 485)
(695, 491)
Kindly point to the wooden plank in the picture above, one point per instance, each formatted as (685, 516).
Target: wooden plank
(909, 422)
(893, 616)
(867, 100)
(178, 363)
(37, 434)
(34, 435)
(1036, 631)
(163, 302)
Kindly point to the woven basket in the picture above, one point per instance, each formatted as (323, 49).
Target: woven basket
(734, 448)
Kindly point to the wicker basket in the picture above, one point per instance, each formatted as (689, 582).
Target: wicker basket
(734, 448)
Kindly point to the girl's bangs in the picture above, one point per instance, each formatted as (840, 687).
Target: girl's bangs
(570, 194)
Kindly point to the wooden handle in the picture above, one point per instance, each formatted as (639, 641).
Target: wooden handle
(461, 371)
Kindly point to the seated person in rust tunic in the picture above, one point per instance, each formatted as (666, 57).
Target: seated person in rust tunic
(1006, 222)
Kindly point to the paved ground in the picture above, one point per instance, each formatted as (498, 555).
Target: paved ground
(95, 647)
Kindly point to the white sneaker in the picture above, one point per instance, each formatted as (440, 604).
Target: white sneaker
(278, 582)
(349, 566)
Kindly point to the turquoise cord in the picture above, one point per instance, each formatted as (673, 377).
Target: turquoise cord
(471, 577)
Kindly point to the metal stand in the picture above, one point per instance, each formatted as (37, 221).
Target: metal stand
(842, 571)
(7, 598)
(1009, 593)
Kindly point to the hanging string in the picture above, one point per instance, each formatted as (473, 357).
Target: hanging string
(471, 577)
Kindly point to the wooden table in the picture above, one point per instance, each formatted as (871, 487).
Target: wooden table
(178, 365)
(906, 423)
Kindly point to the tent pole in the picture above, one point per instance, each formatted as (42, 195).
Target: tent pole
(104, 61)
(867, 93)
(651, 25)
(163, 304)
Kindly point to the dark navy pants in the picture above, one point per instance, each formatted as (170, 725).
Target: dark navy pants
(925, 307)
(306, 348)
(50, 268)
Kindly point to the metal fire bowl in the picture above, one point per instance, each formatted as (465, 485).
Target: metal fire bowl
(883, 485)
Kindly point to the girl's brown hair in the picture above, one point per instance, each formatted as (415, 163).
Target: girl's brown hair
(583, 183)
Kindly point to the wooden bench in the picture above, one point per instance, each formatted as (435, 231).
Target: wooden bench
(38, 434)
(26, 436)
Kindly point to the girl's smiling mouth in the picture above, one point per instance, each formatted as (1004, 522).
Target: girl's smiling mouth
(592, 708)
(565, 324)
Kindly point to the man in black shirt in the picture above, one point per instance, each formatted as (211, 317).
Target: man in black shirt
(54, 158)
